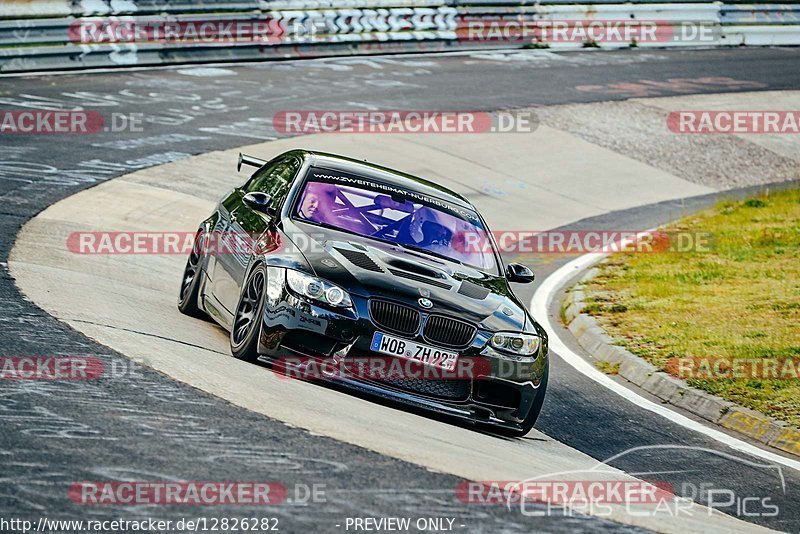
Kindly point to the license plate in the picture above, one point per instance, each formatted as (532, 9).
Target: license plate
(410, 350)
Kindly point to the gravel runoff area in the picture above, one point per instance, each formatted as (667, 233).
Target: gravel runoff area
(638, 129)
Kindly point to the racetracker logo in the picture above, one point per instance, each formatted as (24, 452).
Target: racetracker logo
(50, 122)
(158, 243)
(129, 30)
(727, 368)
(429, 364)
(67, 122)
(403, 122)
(584, 241)
(583, 31)
(564, 492)
(193, 493)
(734, 122)
(50, 368)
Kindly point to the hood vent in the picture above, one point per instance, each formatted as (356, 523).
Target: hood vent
(359, 259)
(474, 291)
(416, 268)
(418, 278)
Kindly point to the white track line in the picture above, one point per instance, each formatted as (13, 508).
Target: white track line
(539, 306)
(250, 63)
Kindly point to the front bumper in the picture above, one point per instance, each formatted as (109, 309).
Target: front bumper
(501, 395)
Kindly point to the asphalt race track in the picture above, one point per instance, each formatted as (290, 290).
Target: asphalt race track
(145, 425)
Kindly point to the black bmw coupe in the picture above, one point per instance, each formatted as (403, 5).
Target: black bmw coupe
(322, 259)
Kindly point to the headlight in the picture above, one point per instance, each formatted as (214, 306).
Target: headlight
(523, 344)
(317, 289)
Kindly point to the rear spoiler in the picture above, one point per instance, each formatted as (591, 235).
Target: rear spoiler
(244, 159)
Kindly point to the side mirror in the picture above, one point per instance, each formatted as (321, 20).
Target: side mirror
(516, 272)
(260, 202)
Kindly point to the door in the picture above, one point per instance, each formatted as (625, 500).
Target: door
(245, 227)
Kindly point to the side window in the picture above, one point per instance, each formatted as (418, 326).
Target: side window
(275, 179)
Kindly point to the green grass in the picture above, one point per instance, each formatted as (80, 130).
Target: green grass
(741, 299)
(535, 46)
(607, 368)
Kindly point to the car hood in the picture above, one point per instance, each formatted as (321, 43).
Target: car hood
(374, 269)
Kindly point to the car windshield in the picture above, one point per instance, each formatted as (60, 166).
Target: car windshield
(388, 213)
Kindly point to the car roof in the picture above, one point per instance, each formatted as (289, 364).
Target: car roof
(388, 176)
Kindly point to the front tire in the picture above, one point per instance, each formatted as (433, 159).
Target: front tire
(189, 296)
(246, 327)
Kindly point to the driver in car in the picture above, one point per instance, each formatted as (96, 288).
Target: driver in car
(317, 203)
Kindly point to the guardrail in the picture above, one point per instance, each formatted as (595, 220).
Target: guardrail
(60, 34)
(760, 24)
